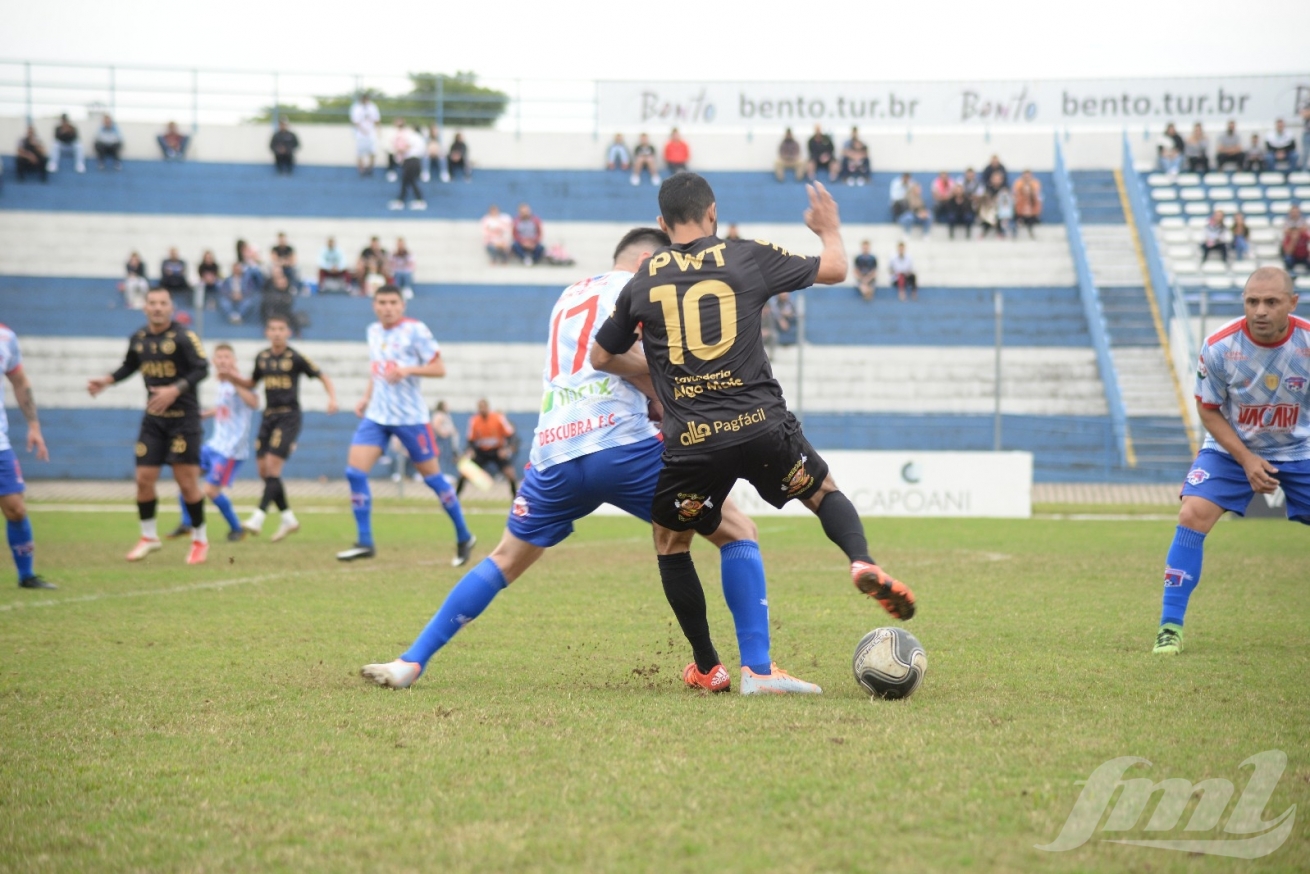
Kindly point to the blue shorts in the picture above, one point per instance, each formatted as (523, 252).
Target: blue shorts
(418, 440)
(1218, 478)
(11, 475)
(551, 499)
(218, 468)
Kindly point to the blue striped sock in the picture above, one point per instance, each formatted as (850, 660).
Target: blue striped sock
(446, 492)
(361, 501)
(466, 601)
(224, 505)
(1182, 571)
(20, 544)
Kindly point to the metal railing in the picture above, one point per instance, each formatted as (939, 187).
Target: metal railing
(1141, 209)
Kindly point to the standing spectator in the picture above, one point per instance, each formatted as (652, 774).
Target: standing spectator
(173, 143)
(1256, 156)
(901, 271)
(677, 154)
(436, 165)
(283, 145)
(497, 234)
(1228, 148)
(67, 142)
(172, 278)
(789, 158)
(995, 166)
(1295, 247)
(1281, 146)
(942, 189)
(492, 444)
(1216, 238)
(1241, 238)
(135, 282)
(447, 439)
(109, 144)
(1028, 201)
(410, 149)
(333, 277)
(210, 276)
(1170, 141)
(457, 159)
(822, 154)
(866, 271)
(959, 212)
(30, 156)
(916, 212)
(402, 267)
(365, 117)
(855, 167)
(643, 158)
(279, 300)
(897, 195)
(617, 157)
(1196, 151)
(527, 236)
(284, 256)
(234, 300)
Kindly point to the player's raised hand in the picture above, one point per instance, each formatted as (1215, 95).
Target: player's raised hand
(1260, 474)
(822, 216)
(36, 442)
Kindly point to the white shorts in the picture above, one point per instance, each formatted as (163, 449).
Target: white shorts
(365, 147)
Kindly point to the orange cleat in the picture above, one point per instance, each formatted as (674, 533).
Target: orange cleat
(199, 552)
(895, 597)
(144, 547)
(716, 680)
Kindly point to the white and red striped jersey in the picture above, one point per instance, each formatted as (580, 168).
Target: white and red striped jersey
(10, 360)
(232, 415)
(408, 344)
(583, 410)
(1262, 390)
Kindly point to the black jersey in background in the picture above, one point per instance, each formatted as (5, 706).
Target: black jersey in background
(164, 358)
(281, 372)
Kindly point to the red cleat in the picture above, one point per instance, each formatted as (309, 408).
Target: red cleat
(894, 596)
(716, 680)
(199, 552)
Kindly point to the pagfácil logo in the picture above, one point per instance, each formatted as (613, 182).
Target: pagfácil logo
(1215, 793)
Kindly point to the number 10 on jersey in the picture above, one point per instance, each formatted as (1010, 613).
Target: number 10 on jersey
(685, 327)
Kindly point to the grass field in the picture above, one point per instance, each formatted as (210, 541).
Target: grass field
(167, 718)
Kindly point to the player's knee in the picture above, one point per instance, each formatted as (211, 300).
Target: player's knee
(1199, 515)
(14, 512)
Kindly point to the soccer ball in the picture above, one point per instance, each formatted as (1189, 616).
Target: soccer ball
(889, 663)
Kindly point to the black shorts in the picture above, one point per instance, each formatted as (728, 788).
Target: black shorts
(781, 464)
(490, 458)
(169, 440)
(278, 433)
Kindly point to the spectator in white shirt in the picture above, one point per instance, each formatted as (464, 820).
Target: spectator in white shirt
(332, 269)
(1281, 146)
(1216, 238)
(618, 157)
(365, 117)
(410, 150)
(901, 270)
(497, 234)
(898, 195)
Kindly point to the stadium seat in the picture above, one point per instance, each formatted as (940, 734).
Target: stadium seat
(1155, 180)
(1302, 282)
(1176, 235)
(1263, 235)
(1222, 192)
(1257, 221)
(1244, 268)
(1192, 193)
(1214, 268)
(1266, 251)
(1216, 178)
(1300, 177)
(1164, 194)
(1188, 179)
(1272, 177)
(1280, 207)
(1256, 207)
(1219, 283)
(1198, 221)
(1301, 192)
(1168, 209)
(1201, 207)
(1251, 192)
(1173, 220)
(1228, 206)
(1278, 192)
(1243, 179)
(1188, 280)
(1183, 252)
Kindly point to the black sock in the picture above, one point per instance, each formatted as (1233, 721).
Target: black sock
(842, 525)
(145, 510)
(683, 589)
(267, 497)
(513, 488)
(459, 486)
(279, 492)
(197, 512)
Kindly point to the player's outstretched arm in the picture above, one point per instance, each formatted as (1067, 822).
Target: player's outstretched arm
(27, 403)
(248, 397)
(822, 218)
(331, 392)
(1260, 473)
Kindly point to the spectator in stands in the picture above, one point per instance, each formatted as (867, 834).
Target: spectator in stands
(1281, 146)
(436, 164)
(822, 154)
(1170, 141)
(993, 167)
(394, 145)
(855, 166)
(210, 276)
(789, 158)
(527, 236)
(333, 277)
(1295, 247)
(677, 154)
(901, 271)
(402, 266)
(1241, 238)
(254, 274)
(1004, 208)
(67, 142)
(778, 323)
(617, 157)
(172, 276)
(916, 212)
(989, 218)
(135, 283)
(1028, 201)
(457, 159)
(1228, 148)
(365, 117)
(866, 271)
(30, 156)
(109, 144)
(497, 234)
(411, 149)
(1256, 156)
(942, 189)
(959, 212)
(173, 143)
(643, 158)
(1305, 137)
(1216, 238)
(283, 145)
(1196, 151)
(897, 194)
(234, 300)
(371, 268)
(283, 255)
(279, 299)
(974, 187)
(733, 232)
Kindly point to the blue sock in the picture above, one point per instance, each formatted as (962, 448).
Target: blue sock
(744, 589)
(1182, 571)
(446, 492)
(20, 544)
(186, 517)
(465, 603)
(361, 499)
(224, 505)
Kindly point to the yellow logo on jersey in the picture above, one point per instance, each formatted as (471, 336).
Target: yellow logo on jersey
(1271, 381)
(286, 363)
(168, 347)
(694, 434)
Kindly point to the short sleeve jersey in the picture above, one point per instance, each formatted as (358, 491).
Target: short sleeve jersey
(408, 344)
(489, 432)
(232, 415)
(11, 360)
(699, 306)
(1263, 391)
(583, 410)
(164, 358)
(280, 372)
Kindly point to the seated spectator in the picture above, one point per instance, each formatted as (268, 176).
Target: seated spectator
(1295, 247)
(1281, 145)
(527, 236)
(1004, 210)
(1170, 142)
(677, 154)
(279, 299)
(974, 187)
(457, 159)
(402, 266)
(989, 217)
(210, 276)
(283, 145)
(855, 166)
(1216, 238)
(1028, 201)
(733, 232)
(173, 143)
(254, 274)
(866, 271)
(897, 194)
(283, 255)
(497, 234)
(778, 323)
(436, 164)
(617, 157)
(643, 158)
(942, 189)
(1241, 238)
(67, 143)
(789, 158)
(959, 211)
(1305, 137)
(823, 155)
(1256, 156)
(1171, 161)
(1228, 149)
(371, 268)
(172, 276)
(916, 211)
(1196, 151)
(901, 271)
(135, 283)
(109, 144)
(993, 167)
(234, 300)
(333, 277)
(30, 156)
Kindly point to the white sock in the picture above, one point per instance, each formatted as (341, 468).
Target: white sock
(289, 518)
(198, 534)
(148, 529)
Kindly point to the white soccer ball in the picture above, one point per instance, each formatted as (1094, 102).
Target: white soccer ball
(889, 663)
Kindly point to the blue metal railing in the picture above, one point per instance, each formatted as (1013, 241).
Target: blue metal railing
(1092, 306)
(1142, 216)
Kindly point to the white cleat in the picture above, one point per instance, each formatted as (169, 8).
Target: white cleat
(144, 547)
(777, 683)
(284, 531)
(255, 523)
(393, 675)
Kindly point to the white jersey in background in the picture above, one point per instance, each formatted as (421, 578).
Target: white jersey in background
(1263, 391)
(583, 410)
(10, 360)
(408, 344)
(231, 437)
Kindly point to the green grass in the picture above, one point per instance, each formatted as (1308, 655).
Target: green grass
(148, 725)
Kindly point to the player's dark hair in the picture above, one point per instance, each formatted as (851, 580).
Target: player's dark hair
(652, 237)
(389, 289)
(685, 198)
(283, 319)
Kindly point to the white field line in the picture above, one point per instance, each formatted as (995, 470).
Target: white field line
(141, 593)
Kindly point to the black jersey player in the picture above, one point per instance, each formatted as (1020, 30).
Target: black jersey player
(172, 361)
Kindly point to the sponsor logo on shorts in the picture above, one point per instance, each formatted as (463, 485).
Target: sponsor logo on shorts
(1175, 577)
(1268, 417)
(521, 507)
(1271, 381)
(179, 445)
(1197, 475)
(1294, 383)
(691, 505)
(798, 479)
(141, 450)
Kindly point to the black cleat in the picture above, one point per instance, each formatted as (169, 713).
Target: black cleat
(35, 582)
(237, 535)
(179, 531)
(463, 551)
(357, 551)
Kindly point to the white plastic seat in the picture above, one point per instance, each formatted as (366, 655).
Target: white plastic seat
(1219, 283)
(1192, 193)
(1198, 221)
(1251, 192)
(1255, 207)
(1257, 221)
(1302, 282)
(1182, 251)
(1222, 192)
(1172, 221)
(1176, 236)
(1272, 177)
(1186, 179)
(1214, 268)
(1280, 207)
(1278, 192)
(1228, 206)
(1197, 208)
(1243, 179)
(1168, 209)
(1301, 192)
(1263, 235)
(1266, 250)
(1164, 194)
(1188, 280)
(1155, 180)
(1217, 177)
(1300, 177)
(1244, 268)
